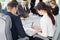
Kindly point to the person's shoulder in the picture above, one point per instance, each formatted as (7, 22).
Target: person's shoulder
(8, 13)
(4, 15)
(57, 7)
(19, 4)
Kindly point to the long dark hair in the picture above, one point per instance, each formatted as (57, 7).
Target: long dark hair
(43, 6)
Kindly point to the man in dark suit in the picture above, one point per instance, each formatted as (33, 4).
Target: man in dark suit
(33, 3)
(17, 27)
(23, 9)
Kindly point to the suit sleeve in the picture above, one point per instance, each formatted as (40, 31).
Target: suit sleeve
(20, 28)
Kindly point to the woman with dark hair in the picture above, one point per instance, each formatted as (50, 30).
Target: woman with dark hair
(54, 7)
(47, 22)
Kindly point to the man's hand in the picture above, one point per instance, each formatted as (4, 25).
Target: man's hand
(22, 18)
(30, 14)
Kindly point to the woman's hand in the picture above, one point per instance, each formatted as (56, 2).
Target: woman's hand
(38, 29)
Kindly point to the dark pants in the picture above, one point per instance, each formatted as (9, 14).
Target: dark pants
(36, 38)
(14, 34)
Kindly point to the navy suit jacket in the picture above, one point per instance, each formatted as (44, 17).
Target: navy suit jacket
(17, 27)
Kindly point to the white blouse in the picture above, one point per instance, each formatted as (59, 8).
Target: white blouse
(44, 23)
(47, 27)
